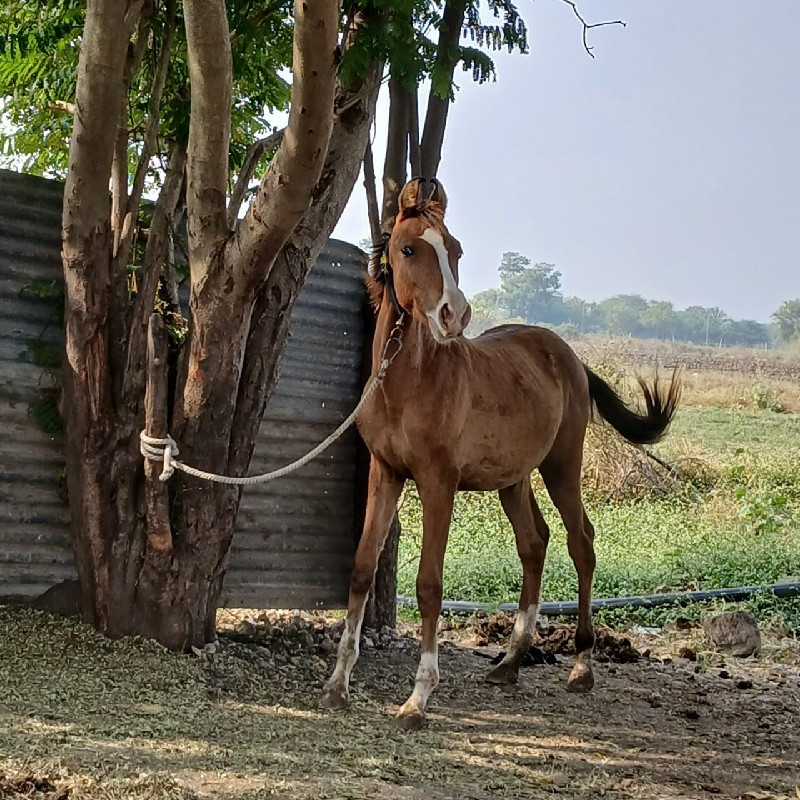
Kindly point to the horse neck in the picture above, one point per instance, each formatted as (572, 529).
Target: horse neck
(420, 355)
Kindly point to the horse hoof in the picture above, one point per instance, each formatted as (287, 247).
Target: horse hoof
(581, 679)
(410, 718)
(334, 698)
(502, 675)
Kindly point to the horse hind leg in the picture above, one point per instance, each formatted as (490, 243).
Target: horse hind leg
(563, 485)
(532, 535)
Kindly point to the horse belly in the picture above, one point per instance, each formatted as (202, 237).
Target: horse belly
(498, 456)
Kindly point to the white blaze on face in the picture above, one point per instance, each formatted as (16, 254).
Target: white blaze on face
(451, 294)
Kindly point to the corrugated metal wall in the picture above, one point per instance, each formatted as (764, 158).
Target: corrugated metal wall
(295, 537)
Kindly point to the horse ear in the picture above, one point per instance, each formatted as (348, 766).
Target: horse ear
(438, 195)
(410, 195)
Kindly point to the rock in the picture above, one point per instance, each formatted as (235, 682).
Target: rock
(744, 684)
(327, 646)
(560, 779)
(734, 632)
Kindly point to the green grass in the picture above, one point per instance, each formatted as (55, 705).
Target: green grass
(736, 521)
(722, 430)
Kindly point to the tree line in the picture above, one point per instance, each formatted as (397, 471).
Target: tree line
(531, 293)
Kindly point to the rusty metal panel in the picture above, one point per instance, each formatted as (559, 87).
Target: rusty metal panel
(294, 540)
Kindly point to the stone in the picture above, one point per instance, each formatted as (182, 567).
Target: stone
(734, 632)
(327, 646)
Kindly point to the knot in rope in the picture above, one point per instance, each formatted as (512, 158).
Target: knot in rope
(156, 449)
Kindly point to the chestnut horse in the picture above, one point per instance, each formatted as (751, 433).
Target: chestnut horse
(459, 414)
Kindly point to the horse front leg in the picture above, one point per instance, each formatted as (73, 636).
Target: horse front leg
(383, 492)
(437, 509)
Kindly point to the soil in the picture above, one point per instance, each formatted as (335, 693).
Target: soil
(88, 718)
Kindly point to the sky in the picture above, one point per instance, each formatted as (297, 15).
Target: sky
(667, 166)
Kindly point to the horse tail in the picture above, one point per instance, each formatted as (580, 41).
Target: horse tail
(637, 428)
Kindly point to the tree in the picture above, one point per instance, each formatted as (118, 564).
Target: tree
(747, 333)
(487, 312)
(787, 321)
(622, 313)
(659, 319)
(151, 558)
(512, 264)
(530, 292)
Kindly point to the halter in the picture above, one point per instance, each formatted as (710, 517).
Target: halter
(386, 273)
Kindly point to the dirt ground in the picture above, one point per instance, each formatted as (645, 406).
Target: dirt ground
(83, 717)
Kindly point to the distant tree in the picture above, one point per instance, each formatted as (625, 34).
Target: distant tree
(622, 313)
(747, 333)
(585, 316)
(787, 321)
(659, 319)
(512, 263)
(530, 292)
(488, 312)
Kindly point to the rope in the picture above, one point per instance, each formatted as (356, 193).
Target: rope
(165, 449)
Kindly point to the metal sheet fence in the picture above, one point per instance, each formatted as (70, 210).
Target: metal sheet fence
(295, 537)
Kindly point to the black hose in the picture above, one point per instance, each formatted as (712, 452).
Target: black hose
(569, 608)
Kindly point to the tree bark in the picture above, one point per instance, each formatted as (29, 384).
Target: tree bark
(394, 165)
(373, 213)
(254, 154)
(93, 446)
(447, 57)
(414, 149)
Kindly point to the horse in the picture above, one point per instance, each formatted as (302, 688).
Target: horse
(480, 414)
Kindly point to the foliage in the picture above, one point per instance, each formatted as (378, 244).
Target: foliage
(533, 293)
(787, 321)
(406, 41)
(38, 71)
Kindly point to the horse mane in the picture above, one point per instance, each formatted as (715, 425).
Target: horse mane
(432, 213)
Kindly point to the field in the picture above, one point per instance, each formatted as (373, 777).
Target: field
(85, 718)
(726, 511)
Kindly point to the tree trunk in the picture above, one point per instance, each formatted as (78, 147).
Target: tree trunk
(447, 56)
(394, 165)
(151, 559)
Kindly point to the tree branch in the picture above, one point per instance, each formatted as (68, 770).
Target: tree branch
(62, 105)
(119, 167)
(587, 27)
(373, 212)
(447, 56)
(210, 75)
(286, 190)
(396, 159)
(251, 159)
(414, 150)
(148, 145)
(152, 270)
(256, 153)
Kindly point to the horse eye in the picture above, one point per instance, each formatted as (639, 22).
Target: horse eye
(407, 251)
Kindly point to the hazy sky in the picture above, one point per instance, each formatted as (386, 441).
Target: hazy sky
(667, 166)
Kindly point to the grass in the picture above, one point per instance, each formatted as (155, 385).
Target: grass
(731, 519)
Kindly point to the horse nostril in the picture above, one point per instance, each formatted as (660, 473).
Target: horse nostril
(446, 315)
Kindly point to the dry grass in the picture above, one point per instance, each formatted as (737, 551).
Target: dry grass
(82, 717)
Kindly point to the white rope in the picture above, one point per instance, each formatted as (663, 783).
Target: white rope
(165, 449)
